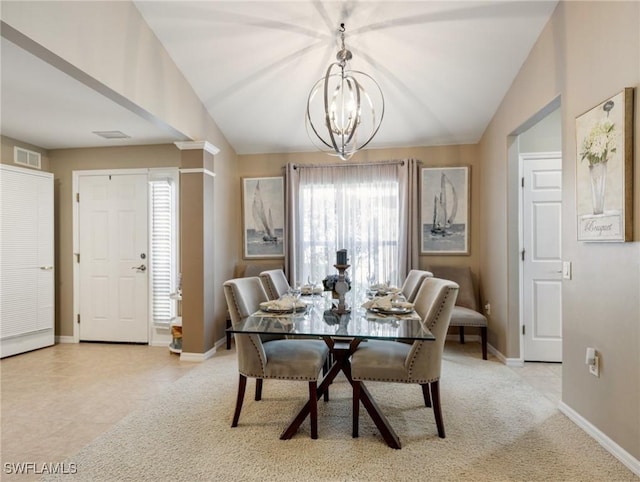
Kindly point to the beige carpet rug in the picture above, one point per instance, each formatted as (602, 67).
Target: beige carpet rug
(498, 429)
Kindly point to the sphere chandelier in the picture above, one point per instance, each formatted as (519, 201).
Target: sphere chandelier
(344, 118)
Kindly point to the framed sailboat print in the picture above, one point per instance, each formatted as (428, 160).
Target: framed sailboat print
(263, 217)
(444, 210)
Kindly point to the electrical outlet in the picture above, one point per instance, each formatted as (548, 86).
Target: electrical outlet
(594, 368)
(593, 361)
(487, 308)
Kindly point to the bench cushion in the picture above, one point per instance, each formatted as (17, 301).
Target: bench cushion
(462, 316)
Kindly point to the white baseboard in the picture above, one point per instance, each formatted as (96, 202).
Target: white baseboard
(159, 343)
(510, 362)
(221, 342)
(197, 357)
(65, 339)
(609, 445)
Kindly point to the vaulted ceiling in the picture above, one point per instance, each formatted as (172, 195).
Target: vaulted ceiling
(443, 67)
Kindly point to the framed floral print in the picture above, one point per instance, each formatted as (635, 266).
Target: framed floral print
(604, 170)
(263, 217)
(444, 208)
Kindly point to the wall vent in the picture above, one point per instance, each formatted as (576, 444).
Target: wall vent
(25, 157)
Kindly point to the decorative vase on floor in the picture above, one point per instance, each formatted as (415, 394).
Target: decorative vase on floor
(598, 172)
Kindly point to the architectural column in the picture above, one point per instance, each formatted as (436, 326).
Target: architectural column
(197, 249)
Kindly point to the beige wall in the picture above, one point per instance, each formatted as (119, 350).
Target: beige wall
(197, 233)
(63, 163)
(111, 43)
(588, 52)
(260, 165)
(6, 153)
(209, 305)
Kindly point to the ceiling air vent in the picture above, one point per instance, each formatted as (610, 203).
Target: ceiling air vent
(25, 157)
(111, 134)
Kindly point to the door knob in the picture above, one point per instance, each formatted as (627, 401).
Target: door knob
(142, 267)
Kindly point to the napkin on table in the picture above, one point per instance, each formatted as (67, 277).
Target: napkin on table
(311, 290)
(384, 289)
(386, 303)
(284, 303)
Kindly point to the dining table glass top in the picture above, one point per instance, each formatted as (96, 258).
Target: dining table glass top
(319, 317)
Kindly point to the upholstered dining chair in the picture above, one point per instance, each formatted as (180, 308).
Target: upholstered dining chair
(466, 313)
(412, 283)
(246, 271)
(275, 283)
(285, 359)
(420, 362)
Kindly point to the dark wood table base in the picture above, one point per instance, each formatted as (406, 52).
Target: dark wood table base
(342, 351)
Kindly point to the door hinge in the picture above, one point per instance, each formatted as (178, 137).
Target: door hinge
(523, 329)
(77, 257)
(78, 318)
(522, 182)
(522, 254)
(77, 197)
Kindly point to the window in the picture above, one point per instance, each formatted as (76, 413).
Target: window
(352, 207)
(163, 246)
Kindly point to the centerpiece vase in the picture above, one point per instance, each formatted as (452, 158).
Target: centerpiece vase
(598, 173)
(341, 287)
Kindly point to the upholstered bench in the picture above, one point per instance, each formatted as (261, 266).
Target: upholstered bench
(466, 312)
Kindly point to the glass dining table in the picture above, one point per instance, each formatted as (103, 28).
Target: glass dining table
(342, 332)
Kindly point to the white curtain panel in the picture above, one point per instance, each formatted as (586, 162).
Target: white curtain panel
(366, 209)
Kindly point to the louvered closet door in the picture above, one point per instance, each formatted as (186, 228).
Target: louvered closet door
(26, 260)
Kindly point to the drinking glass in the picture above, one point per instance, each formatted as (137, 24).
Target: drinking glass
(371, 279)
(294, 292)
(312, 281)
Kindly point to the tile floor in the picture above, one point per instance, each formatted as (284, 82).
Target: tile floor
(56, 400)
(545, 377)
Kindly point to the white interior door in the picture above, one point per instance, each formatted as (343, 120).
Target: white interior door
(113, 226)
(542, 265)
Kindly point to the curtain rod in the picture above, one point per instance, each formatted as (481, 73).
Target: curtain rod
(354, 164)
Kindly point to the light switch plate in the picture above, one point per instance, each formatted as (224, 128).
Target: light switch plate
(566, 269)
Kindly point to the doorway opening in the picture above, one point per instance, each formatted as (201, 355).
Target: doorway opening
(534, 262)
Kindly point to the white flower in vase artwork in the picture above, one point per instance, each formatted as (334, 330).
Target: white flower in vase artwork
(597, 147)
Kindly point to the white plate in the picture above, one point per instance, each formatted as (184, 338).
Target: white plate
(311, 291)
(268, 308)
(395, 310)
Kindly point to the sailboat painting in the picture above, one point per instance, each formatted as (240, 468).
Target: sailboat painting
(445, 210)
(263, 215)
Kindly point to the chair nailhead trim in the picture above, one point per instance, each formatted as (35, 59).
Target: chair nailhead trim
(235, 302)
(261, 375)
(435, 321)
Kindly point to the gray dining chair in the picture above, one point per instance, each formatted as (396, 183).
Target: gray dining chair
(284, 359)
(420, 362)
(412, 283)
(275, 283)
(245, 271)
